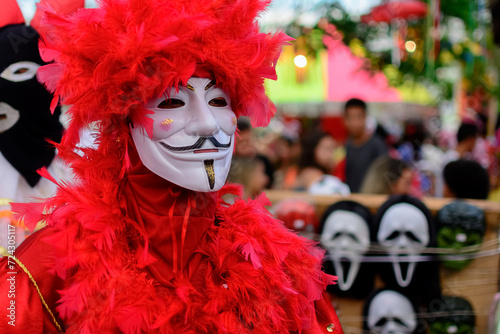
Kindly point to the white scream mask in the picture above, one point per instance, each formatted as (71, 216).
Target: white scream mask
(391, 313)
(193, 136)
(403, 231)
(346, 238)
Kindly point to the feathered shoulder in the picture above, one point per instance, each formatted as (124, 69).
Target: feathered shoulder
(280, 270)
(254, 276)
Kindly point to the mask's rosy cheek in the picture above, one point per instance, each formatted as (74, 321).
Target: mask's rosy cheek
(166, 124)
(234, 121)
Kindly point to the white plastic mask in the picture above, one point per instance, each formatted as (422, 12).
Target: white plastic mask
(391, 313)
(403, 231)
(16, 72)
(193, 136)
(346, 238)
(8, 117)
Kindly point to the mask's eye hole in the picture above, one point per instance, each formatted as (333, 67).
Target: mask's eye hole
(412, 237)
(3, 117)
(171, 104)
(218, 102)
(381, 322)
(400, 322)
(393, 235)
(22, 70)
(336, 235)
(354, 237)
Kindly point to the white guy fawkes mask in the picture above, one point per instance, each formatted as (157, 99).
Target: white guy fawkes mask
(403, 231)
(391, 313)
(346, 238)
(193, 136)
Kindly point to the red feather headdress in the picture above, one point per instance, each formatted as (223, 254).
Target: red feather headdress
(108, 62)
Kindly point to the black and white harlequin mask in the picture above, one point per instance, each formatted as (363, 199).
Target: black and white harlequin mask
(403, 232)
(25, 118)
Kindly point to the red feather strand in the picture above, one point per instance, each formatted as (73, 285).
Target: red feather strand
(30, 213)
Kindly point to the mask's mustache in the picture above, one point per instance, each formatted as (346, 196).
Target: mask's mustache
(199, 143)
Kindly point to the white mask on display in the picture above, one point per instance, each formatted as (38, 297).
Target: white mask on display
(403, 231)
(346, 237)
(391, 313)
(8, 117)
(193, 136)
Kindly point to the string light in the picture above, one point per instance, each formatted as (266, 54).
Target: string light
(410, 46)
(300, 61)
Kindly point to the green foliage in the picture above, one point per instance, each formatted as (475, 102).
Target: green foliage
(410, 77)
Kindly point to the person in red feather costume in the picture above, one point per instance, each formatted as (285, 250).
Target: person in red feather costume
(142, 241)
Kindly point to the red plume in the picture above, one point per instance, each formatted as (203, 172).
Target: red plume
(10, 13)
(109, 61)
(63, 7)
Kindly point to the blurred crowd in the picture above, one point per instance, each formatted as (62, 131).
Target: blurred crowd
(369, 161)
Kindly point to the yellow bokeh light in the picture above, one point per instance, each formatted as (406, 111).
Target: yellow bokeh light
(300, 61)
(410, 46)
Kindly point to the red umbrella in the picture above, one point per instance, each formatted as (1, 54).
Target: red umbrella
(402, 9)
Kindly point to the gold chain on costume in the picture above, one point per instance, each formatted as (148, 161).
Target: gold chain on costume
(5, 253)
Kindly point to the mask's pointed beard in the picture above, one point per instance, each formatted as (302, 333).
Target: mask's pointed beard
(209, 169)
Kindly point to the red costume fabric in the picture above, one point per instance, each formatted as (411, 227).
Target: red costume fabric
(240, 270)
(125, 251)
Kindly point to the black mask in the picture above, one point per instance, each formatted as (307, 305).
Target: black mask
(23, 142)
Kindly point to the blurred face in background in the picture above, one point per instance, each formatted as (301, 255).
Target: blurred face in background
(470, 143)
(402, 186)
(251, 174)
(245, 144)
(283, 149)
(355, 121)
(324, 153)
(287, 150)
(258, 180)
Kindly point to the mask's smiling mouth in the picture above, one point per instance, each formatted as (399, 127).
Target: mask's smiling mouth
(212, 150)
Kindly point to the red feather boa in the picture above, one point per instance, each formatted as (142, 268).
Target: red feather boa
(253, 275)
(247, 273)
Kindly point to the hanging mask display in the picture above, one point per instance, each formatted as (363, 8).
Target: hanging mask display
(456, 316)
(494, 317)
(390, 312)
(193, 136)
(404, 230)
(345, 234)
(26, 122)
(460, 225)
(298, 215)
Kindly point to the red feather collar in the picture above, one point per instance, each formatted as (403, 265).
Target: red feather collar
(247, 273)
(173, 218)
